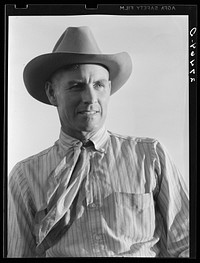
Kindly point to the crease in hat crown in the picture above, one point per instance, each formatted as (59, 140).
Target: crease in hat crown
(76, 45)
(77, 40)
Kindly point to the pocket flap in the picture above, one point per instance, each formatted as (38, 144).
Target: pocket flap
(137, 201)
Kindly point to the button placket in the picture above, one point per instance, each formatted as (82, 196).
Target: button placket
(87, 183)
(96, 239)
(98, 243)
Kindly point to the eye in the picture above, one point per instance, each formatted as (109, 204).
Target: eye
(99, 84)
(76, 87)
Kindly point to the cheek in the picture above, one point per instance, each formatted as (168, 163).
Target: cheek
(66, 106)
(105, 99)
(104, 104)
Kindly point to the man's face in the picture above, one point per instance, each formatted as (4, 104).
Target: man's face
(82, 96)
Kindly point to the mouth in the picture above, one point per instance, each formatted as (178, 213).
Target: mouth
(88, 112)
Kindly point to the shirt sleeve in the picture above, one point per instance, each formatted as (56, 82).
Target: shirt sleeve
(21, 240)
(173, 204)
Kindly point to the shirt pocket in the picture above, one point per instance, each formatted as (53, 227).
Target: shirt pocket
(137, 202)
(142, 201)
(135, 215)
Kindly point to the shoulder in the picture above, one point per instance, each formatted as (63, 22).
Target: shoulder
(139, 145)
(132, 139)
(37, 156)
(28, 162)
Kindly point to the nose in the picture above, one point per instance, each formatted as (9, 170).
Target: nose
(89, 95)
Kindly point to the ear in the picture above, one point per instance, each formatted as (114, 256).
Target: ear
(109, 83)
(50, 92)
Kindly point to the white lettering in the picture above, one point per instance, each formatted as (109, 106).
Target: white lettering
(193, 31)
(192, 62)
(193, 45)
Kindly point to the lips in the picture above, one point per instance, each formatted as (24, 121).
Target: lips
(88, 112)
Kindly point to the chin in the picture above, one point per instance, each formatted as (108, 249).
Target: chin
(90, 128)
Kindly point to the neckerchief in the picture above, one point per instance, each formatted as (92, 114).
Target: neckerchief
(60, 209)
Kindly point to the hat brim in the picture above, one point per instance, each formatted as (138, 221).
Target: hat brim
(39, 69)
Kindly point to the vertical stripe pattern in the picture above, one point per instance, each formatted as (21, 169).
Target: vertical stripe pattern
(133, 201)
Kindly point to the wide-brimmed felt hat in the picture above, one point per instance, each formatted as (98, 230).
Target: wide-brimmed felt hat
(76, 45)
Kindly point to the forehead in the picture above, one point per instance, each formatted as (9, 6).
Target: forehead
(81, 71)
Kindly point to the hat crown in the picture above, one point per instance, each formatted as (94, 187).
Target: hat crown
(75, 46)
(77, 40)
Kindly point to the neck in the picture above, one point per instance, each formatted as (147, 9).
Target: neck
(80, 135)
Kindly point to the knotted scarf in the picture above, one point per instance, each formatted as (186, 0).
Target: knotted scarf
(60, 209)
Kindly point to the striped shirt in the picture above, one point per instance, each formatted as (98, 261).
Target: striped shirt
(136, 202)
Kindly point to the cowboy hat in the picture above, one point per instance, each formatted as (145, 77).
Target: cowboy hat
(75, 46)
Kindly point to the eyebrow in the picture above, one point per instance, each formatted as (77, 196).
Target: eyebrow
(71, 82)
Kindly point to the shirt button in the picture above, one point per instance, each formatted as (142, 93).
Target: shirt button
(99, 237)
(93, 205)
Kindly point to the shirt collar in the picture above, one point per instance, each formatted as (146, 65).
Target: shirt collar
(99, 140)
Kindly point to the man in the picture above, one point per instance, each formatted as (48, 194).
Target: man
(93, 193)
